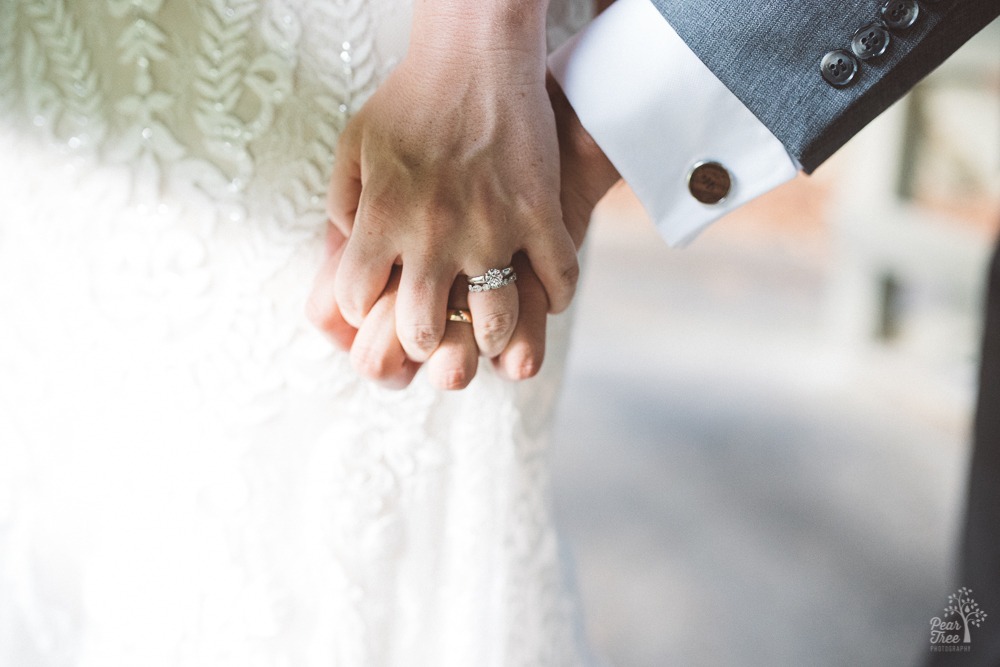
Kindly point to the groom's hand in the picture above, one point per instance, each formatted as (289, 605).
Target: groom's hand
(586, 173)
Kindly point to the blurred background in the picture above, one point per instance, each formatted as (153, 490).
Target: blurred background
(761, 449)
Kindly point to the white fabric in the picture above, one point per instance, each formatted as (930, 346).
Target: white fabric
(656, 111)
(189, 474)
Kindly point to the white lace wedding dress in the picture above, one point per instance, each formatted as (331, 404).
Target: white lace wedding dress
(189, 474)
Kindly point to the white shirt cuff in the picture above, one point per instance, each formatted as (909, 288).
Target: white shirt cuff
(656, 111)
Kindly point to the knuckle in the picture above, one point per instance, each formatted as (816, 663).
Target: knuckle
(424, 337)
(495, 326)
(370, 363)
(570, 274)
(525, 364)
(529, 367)
(451, 379)
(561, 294)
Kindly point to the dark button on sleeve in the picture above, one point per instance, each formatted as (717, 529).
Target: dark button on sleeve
(899, 14)
(709, 182)
(870, 41)
(839, 68)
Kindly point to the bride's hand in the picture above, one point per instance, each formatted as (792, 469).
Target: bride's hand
(450, 169)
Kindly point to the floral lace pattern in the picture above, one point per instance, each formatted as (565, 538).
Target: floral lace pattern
(189, 475)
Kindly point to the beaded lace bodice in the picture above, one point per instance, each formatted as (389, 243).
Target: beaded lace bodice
(189, 475)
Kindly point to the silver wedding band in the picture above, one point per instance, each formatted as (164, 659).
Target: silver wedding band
(492, 279)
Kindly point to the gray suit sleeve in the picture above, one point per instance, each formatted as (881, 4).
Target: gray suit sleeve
(768, 54)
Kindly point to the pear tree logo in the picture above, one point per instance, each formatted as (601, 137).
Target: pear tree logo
(953, 630)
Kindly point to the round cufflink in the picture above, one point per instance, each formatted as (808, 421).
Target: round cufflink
(709, 182)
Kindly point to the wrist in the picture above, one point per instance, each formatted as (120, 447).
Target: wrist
(477, 29)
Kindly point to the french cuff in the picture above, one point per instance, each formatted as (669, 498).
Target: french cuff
(657, 112)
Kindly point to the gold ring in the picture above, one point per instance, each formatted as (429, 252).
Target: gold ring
(459, 315)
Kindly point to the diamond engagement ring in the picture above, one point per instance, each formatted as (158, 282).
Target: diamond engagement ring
(492, 279)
